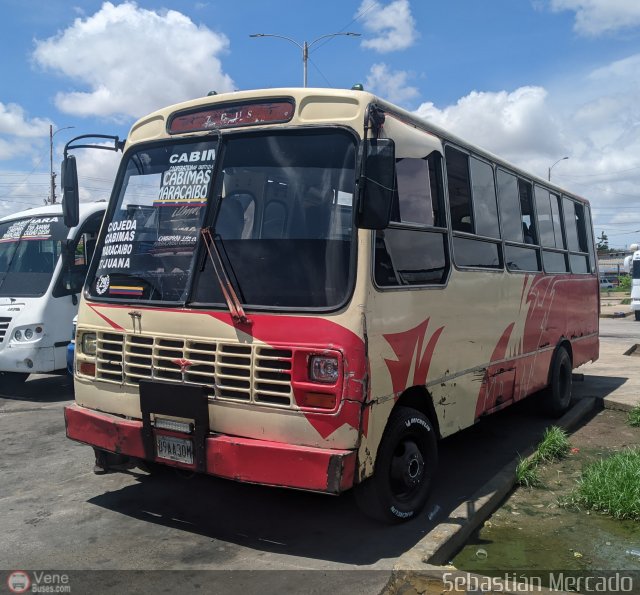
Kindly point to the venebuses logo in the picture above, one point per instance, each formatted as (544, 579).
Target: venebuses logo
(18, 581)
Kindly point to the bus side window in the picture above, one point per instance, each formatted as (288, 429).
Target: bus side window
(459, 190)
(516, 220)
(574, 221)
(413, 250)
(526, 208)
(473, 210)
(75, 269)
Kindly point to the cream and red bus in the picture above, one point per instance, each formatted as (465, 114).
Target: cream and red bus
(309, 288)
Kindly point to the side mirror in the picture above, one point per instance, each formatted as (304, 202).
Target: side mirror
(70, 194)
(377, 184)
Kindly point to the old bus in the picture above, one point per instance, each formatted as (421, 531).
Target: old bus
(42, 269)
(309, 287)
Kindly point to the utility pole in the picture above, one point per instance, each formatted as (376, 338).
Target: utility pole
(556, 163)
(52, 175)
(304, 46)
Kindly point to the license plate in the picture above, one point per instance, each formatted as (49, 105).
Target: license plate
(174, 449)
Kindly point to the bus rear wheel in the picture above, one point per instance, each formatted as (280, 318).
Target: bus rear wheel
(404, 469)
(637, 313)
(557, 396)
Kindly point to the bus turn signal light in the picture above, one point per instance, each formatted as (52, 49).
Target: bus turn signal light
(87, 369)
(319, 400)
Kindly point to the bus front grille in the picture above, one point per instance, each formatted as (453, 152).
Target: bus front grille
(233, 371)
(4, 325)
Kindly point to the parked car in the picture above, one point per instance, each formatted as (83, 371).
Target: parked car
(606, 283)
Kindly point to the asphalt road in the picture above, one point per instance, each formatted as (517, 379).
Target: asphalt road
(58, 515)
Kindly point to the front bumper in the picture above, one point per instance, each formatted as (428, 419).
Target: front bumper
(241, 459)
(28, 358)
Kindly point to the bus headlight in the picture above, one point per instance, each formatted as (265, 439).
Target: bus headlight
(89, 343)
(324, 369)
(26, 334)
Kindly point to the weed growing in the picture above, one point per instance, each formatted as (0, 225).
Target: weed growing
(611, 486)
(553, 446)
(633, 419)
(527, 474)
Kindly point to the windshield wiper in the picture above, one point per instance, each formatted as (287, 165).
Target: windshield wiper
(231, 297)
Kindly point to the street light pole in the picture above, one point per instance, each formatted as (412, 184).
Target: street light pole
(556, 163)
(52, 195)
(304, 46)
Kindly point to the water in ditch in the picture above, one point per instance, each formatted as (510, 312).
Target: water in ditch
(531, 534)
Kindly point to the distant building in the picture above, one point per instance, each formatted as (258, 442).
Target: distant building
(610, 263)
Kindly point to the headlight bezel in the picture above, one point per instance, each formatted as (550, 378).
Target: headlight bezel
(89, 344)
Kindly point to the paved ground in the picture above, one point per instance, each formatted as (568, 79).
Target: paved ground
(58, 515)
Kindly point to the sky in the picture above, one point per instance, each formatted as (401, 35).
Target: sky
(533, 81)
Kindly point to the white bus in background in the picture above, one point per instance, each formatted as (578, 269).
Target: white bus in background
(42, 270)
(632, 266)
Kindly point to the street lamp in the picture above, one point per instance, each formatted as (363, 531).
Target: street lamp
(52, 175)
(556, 163)
(304, 46)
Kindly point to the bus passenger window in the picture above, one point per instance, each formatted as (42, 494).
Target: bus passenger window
(526, 209)
(510, 216)
(459, 190)
(484, 199)
(414, 192)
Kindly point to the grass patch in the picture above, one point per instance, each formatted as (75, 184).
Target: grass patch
(633, 419)
(553, 446)
(527, 474)
(611, 486)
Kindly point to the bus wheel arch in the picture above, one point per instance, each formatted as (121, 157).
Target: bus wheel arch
(557, 395)
(405, 465)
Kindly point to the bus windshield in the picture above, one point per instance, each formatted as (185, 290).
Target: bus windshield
(281, 220)
(29, 251)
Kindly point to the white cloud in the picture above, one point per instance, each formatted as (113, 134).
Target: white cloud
(391, 85)
(597, 17)
(14, 122)
(128, 61)
(594, 120)
(393, 26)
(516, 125)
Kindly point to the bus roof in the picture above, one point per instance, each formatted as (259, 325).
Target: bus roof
(86, 209)
(350, 106)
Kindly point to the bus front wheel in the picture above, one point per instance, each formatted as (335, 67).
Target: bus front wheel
(557, 396)
(404, 469)
(637, 312)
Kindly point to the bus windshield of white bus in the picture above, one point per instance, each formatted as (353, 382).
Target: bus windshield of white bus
(279, 210)
(29, 250)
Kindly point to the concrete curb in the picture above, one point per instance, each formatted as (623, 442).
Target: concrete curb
(444, 540)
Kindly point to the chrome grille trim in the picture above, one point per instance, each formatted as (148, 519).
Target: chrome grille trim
(233, 371)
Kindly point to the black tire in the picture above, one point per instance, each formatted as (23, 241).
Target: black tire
(637, 313)
(404, 469)
(10, 381)
(557, 396)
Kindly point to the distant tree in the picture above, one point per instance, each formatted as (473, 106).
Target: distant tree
(603, 242)
(625, 283)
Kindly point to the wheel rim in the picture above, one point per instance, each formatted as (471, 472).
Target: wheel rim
(407, 470)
